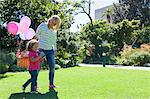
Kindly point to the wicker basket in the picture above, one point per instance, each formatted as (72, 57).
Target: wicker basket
(23, 62)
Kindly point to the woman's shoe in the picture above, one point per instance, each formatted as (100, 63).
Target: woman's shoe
(52, 86)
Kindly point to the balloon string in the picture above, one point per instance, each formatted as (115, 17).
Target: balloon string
(20, 43)
(19, 49)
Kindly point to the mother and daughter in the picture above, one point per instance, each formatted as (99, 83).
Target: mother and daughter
(44, 44)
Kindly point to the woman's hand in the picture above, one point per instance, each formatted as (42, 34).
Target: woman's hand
(35, 37)
(55, 52)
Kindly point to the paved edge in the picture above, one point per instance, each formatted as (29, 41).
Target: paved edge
(116, 66)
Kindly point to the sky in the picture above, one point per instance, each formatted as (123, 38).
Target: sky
(82, 18)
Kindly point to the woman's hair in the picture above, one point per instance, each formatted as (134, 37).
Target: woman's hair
(57, 19)
(30, 44)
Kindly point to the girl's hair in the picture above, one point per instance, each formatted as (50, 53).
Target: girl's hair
(30, 44)
(57, 19)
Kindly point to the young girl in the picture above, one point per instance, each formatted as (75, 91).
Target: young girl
(47, 35)
(34, 60)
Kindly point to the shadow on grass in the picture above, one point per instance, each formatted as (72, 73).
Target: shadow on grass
(4, 76)
(52, 94)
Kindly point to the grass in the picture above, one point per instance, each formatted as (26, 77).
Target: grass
(81, 83)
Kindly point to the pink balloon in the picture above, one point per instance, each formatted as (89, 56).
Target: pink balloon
(29, 34)
(12, 27)
(23, 27)
(26, 19)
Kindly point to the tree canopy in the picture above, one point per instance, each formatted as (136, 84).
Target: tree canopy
(132, 9)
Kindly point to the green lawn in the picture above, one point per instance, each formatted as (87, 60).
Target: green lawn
(81, 83)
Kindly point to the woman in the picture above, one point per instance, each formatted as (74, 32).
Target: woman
(47, 37)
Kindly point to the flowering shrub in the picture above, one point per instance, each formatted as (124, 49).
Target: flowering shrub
(130, 56)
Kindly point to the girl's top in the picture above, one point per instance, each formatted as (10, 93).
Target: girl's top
(34, 65)
(47, 38)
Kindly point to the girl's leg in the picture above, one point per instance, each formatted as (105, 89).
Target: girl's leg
(36, 85)
(27, 82)
(39, 50)
(34, 80)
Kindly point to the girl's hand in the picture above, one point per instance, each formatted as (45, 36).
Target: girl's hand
(42, 54)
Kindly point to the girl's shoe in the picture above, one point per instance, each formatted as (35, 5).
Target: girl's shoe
(36, 88)
(23, 89)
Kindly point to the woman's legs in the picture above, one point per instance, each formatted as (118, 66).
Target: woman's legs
(50, 56)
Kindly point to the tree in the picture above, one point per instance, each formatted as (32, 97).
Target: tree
(119, 12)
(100, 35)
(108, 14)
(84, 7)
(133, 9)
(110, 38)
(125, 33)
(8, 11)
